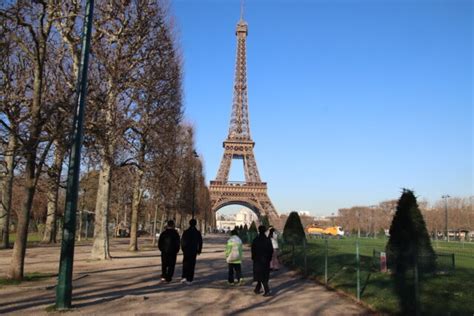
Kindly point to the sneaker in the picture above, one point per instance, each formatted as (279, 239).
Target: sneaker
(188, 282)
(230, 283)
(257, 292)
(163, 279)
(183, 280)
(241, 281)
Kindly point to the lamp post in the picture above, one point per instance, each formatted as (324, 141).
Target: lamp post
(64, 288)
(445, 197)
(358, 223)
(195, 155)
(372, 224)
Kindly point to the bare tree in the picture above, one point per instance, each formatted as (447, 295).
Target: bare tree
(14, 75)
(127, 39)
(29, 26)
(158, 106)
(54, 177)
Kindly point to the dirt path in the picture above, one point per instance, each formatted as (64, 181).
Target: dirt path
(129, 284)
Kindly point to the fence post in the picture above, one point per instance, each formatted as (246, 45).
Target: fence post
(326, 262)
(454, 262)
(417, 288)
(87, 229)
(305, 257)
(358, 270)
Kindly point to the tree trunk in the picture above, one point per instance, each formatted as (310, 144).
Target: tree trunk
(50, 230)
(155, 218)
(100, 247)
(137, 192)
(125, 215)
(81, 217)
(6, 192)
(162, 224)
(19, 249)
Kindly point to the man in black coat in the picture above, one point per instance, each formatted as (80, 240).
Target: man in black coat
(191, 244)
(262, 251)
(168, 243)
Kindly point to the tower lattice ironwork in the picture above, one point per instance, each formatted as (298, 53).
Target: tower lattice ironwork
(239, 145)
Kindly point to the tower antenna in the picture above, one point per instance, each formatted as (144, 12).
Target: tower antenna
(241, 10)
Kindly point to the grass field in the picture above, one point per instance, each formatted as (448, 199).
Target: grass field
(34, 276)
(439, 294)
(32, 238)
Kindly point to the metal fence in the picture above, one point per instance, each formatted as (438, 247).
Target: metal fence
(352, 265)
(444, 262)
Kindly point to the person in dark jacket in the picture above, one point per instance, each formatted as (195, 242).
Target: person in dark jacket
(191, 244)
(262, 251)
(168, 243)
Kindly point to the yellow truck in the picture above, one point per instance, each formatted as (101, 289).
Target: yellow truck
(333, 231)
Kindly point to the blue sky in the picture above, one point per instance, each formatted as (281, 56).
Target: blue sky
(349, 101)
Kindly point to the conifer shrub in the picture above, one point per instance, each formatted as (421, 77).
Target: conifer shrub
(409, 238)
(293, 232)
(253, 232)
(408, 248)
(253, 227)
(244, 234)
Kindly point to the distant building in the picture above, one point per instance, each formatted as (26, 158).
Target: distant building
(228, 222)
(245, 217)
(322, 218)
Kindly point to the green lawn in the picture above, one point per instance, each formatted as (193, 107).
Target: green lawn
(439, 294)
(34, 276)
(32, 237)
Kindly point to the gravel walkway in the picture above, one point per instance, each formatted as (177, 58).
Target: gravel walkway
(129, 285)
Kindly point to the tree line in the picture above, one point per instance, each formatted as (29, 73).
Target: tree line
(375, 219)
(138, 161)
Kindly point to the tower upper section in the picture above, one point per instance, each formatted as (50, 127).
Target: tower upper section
(239, 122)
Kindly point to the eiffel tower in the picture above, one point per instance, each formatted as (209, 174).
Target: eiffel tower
(251, 193)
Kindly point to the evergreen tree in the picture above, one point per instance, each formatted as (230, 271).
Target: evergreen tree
(409, 238)
(409, 245)
(253, 228)
(293, 232)
(252, 232)
(264, 221)
(244, 234)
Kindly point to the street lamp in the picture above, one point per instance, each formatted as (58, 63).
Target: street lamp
(195, 155)
(64, 288)
(358, 223)
(445, 197)
(372, 224)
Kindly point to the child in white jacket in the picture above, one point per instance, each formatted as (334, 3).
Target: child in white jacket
(274, 264)
(233, 254)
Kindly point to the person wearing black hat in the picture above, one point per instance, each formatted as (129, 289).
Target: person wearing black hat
(191, 244)
(262, 251)
(168, 243)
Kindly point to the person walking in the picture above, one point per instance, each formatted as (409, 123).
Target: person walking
(191, 244)
(168, 243)
(233, 254)
(274, 263)
(262, 251)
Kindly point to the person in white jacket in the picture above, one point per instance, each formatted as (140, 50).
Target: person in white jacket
(274, 264)
(233, 254)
